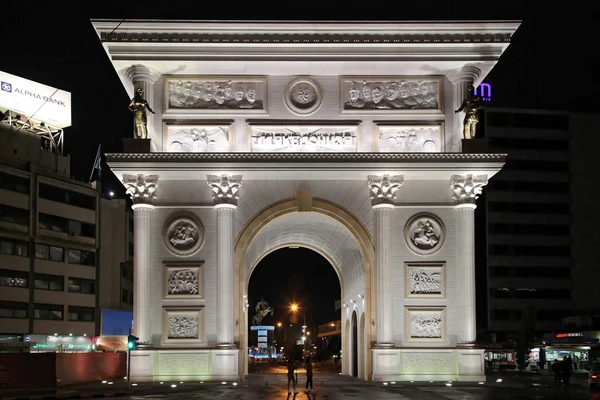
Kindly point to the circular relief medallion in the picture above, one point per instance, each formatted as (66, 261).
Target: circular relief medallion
(303, 96)
(183, 234)
(424, 233)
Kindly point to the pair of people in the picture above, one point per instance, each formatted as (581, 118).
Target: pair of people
(291, 368)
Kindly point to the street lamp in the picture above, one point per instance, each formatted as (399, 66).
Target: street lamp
(294, 307)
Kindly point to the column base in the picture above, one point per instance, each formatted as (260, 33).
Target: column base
(173, 365)
(385, 345)
(432, 364)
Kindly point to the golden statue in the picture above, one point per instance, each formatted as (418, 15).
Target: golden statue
(138, 106)
(471, 105)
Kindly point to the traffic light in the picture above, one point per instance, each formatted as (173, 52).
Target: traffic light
(132, 341)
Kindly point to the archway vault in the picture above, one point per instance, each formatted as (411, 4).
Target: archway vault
(324, 227)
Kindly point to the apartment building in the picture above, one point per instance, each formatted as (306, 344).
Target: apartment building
(55, 274)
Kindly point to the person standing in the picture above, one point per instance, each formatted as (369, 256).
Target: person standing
(556, 368)
(291, 368)
(567, 365)
(309, 375)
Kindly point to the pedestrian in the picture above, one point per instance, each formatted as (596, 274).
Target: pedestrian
(309, 375)
(567, 367)
(291, 368)
(556, 367)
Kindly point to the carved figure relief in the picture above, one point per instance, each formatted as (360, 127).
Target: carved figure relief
(141, 188)
(303, 96)
(425, 280)
(411, 138)
(425, 324)
(390, 94)
(183, 327)
(200, 139)
(183, 234)
(424, 233)
(183, 281)
(216, 93)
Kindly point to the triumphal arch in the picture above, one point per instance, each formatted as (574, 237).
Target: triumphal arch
(341, 137)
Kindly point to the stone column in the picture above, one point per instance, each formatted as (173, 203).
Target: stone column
(461, 79)
(225, 190)
(142, 190)
(145, 77)
(383, 192)
(466, 189)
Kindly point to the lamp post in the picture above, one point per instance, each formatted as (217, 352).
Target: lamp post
(294, 307)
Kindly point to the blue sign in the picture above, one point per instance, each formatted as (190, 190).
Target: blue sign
(6, 87)
(484, 90)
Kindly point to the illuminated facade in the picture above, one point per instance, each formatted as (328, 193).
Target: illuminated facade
(338, 137)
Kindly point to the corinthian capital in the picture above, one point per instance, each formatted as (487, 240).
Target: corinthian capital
(467, 188)
(141, 73)
(224, 188)
(383, 188)
(141, 188)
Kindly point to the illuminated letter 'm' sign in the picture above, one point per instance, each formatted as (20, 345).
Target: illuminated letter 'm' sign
(484, 90)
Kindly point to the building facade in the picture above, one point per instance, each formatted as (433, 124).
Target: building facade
(338, 137)
(54, 279)
(540, 252)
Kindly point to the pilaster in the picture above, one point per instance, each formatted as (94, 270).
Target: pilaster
(461, 79)
(225, 190)
(142, 190)
(383, 193)
(465, 191)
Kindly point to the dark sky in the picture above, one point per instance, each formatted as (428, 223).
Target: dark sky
(552, 63)
(295, 276)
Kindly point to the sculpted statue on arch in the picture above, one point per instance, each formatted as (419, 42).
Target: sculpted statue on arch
(138, 106)
(262, 309)
(471, 106)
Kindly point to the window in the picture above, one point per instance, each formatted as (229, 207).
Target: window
(126, 271)
(13, 278)
(537, 251)
(80, 285)
(52, 253)
(520, 229)
(500, 271)
(53, 223)
(82, 257)
(85, 314)
(130, 297)
(71, 197)
(540, 272)
(49, 282)
(547, 166)
(530, 208)
(500, 293)
(14, 247)
(14, 183)
(48, 311)
(13, 309)
(124, 295)
(131, 249)
(78, 228)
(526, 120)
(14, 215)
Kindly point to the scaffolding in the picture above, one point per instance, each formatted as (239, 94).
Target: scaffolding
(52, 137)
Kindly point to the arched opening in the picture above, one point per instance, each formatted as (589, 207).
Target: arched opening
(336, 235)
(354, 345)
(301, 288)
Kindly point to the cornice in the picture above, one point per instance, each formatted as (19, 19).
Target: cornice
(304, 157)
(303, 33)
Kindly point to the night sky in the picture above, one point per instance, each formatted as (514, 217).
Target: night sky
(552, 63)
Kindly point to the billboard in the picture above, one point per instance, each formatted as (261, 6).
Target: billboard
(116, 322)
(34, 100)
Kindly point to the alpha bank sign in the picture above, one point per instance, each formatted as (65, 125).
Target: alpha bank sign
(35, 101)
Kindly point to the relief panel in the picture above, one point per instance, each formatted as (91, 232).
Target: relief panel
(391, 95)
(424, 233)
(181, 364)
(425, 325)
(215, 94)
(396, 137)
(183, 325)
(183, 234)
(425, 280)
(303, 137)
(197, 137)
(184, 280)
(426, 363)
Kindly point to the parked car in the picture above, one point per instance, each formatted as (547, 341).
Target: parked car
(594, 376)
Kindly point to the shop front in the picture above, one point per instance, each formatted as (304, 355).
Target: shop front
(60, 343)
(568, 344)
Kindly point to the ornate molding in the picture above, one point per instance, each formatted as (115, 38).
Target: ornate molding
(141, 73)
(383, 188)
(303, 96)
(468, 73)
(224, 188)
(141, 188)
(424, 233)
(467, 188)
(305, 157)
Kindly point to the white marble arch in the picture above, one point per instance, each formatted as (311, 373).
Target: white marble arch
(328, 236)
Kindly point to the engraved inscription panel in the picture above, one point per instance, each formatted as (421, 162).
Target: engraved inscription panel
(426, 363)
(298, 138)
(181, 364)
(410, 138)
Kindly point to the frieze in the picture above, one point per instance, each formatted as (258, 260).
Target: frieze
(215, 94)
(425, 324)
(384, 95)
(196, 139)
(425, 280)
(403, 138)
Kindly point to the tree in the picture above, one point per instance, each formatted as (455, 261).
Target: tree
(525, 337)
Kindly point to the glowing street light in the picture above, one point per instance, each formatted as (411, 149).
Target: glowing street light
(294, 307)
(279, 324)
